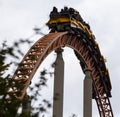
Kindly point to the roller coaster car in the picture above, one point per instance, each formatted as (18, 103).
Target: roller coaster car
(66, 19)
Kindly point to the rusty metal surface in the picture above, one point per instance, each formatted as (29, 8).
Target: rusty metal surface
(39, 51)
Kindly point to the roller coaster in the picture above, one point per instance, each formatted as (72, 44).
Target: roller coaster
(67, 28)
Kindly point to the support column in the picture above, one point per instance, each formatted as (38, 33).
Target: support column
(87, 106)
(26, 105)
(58, 85)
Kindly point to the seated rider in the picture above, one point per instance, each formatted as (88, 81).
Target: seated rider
(53, 12)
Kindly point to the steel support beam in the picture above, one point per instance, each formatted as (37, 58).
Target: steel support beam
(87, 106)
(58, 85)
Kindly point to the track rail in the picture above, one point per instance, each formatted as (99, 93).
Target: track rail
(45, 45)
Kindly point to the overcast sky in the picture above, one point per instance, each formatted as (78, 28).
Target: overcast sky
(19, 17)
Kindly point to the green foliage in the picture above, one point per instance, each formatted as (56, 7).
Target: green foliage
(8, 102)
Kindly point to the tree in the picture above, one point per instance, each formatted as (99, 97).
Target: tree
(8, 102)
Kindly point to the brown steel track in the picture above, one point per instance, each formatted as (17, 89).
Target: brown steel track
(45, 45)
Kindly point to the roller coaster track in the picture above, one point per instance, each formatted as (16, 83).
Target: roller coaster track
(44, 46)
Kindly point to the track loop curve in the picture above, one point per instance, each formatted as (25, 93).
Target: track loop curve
(39, 51)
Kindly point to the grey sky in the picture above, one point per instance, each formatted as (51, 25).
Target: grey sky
(18, 18)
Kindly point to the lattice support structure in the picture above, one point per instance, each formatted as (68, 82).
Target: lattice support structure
(47, 44)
